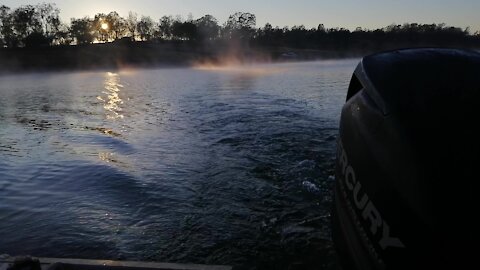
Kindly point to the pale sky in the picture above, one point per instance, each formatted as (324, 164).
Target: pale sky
(332, 13)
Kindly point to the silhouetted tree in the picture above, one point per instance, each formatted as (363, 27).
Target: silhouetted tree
(321, 28)
(184, 30)
(49, 19)
(63, 36)
(146, 28)
(297, 36)
(241, 20)
(100, 33)
(132, 21)
(177, 31)
(207, 28)
(26, 22)
(117, 25)
(29, 25)
(40, 25)
(165, 27)
(82, 30)
(7, 33)
(240, 25)
(270, 36)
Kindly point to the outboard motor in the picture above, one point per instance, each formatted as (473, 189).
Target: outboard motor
(408, 162)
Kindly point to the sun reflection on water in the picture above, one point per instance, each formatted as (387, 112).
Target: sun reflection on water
(112, 101)
(112, 104)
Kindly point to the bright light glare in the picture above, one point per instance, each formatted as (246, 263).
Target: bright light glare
(104, 26)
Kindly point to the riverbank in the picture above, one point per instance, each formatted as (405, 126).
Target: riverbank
(119, 55)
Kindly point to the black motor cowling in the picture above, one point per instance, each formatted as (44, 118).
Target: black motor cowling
(408, 159)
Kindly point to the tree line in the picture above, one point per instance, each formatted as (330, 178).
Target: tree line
(40, 25)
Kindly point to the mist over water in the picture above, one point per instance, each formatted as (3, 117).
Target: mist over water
(201, 165)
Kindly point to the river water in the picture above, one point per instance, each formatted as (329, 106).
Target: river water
(202, 165)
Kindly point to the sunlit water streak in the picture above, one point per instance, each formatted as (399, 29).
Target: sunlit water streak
(220, 166)
(112, 101)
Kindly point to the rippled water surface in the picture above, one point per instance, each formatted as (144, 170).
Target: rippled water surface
(219, 166)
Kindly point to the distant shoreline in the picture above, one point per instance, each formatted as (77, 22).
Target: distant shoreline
(118, 55)
(33, 38)
(121, 55)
